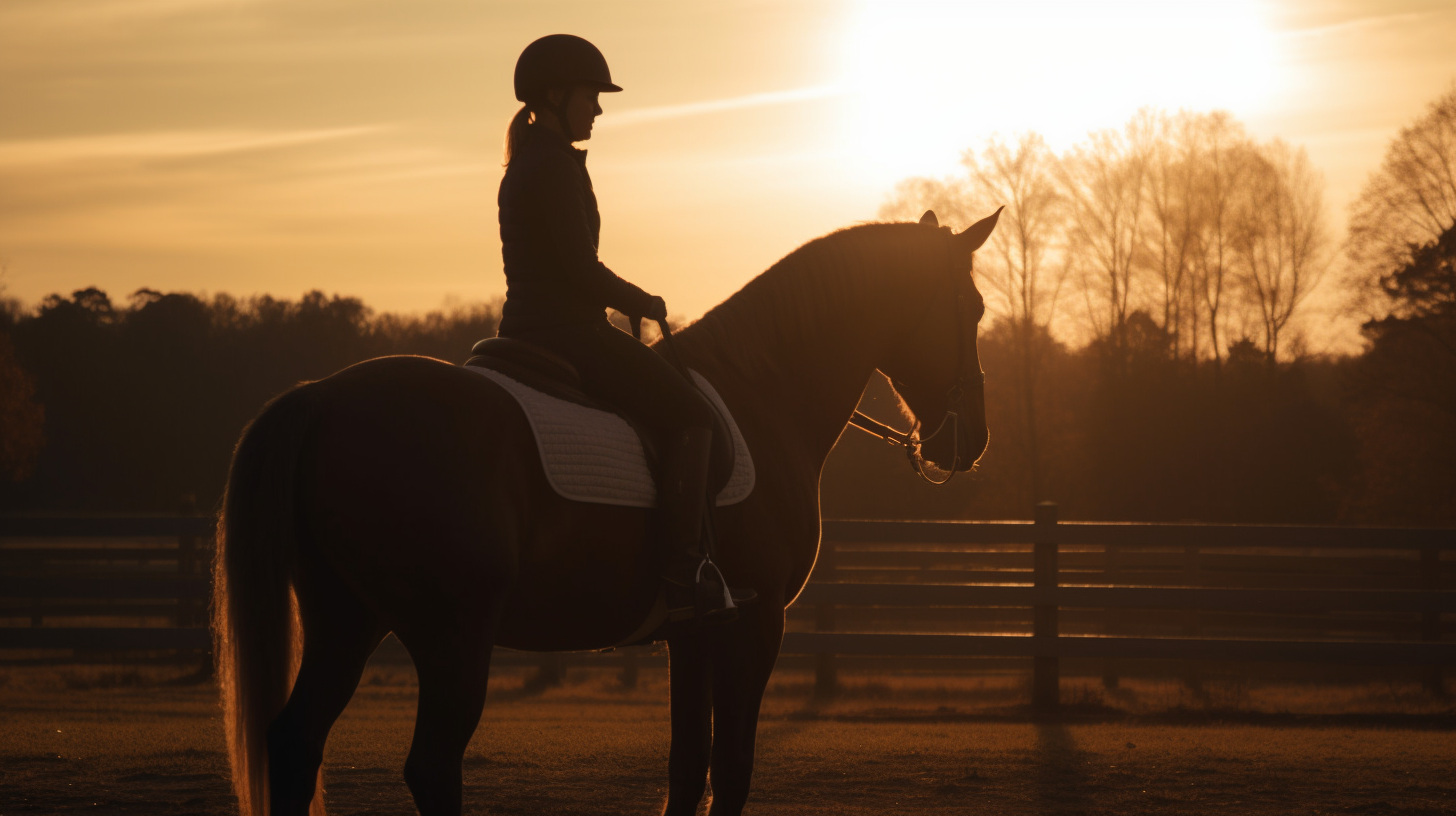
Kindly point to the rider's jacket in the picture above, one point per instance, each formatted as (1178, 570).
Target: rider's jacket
(550, 228)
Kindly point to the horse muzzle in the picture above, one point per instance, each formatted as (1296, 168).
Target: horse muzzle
(960, 444)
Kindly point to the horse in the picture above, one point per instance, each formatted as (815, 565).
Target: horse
(404, 494)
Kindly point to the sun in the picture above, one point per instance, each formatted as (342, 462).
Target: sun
(926, 80)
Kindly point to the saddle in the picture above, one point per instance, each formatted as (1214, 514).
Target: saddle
(550, 373)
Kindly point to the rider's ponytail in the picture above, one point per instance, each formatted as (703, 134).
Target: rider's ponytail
(516, 130)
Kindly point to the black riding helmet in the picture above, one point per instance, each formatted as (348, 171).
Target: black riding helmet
(560, 61)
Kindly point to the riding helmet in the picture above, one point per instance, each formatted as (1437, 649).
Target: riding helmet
(560, 60)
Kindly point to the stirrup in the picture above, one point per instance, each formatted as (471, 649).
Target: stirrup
(713, 601)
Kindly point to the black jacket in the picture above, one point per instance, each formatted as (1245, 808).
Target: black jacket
(550, 228)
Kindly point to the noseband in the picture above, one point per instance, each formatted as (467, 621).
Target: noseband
(954, 398)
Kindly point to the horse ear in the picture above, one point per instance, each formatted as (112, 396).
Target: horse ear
(977, 233)
(929, 219)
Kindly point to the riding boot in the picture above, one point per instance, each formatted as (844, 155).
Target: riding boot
(695, 588)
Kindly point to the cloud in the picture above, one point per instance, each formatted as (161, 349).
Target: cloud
(164, 144)
(640, 115)
(1359, 24)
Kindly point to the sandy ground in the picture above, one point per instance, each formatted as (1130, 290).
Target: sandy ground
(89, 741)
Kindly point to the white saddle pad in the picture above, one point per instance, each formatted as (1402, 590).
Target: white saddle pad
(595, 456)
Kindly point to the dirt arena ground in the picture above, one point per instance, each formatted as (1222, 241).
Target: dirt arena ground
(133, 741)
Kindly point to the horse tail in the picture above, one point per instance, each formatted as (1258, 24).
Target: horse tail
(257, 633)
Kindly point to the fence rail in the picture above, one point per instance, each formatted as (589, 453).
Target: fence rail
(1138, 534)
(1050, 591)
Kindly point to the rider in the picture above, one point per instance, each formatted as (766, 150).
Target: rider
(557, 292)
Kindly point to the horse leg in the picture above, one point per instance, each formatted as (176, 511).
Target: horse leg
(742, 657)
(453, 672)
(339, 635)
(692, 725)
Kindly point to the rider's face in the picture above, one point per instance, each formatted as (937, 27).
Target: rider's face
(581, 109)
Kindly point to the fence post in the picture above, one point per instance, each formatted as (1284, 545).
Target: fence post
(826, 667)
(1111, 616)
(1192, 618)
(1045, 673)
(1431, 621)
(37, 604)
(187, 566)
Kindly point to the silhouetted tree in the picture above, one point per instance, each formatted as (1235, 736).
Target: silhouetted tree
(1282, 241)
(1406, 389)
(1172, 239)
(1226, 159)
(1104, 181)
(22, 419)
(1409, 201)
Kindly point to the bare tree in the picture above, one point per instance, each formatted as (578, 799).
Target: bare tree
(1173, 233)
(1018, 267)
(1282, 241)
(1224, 151)
(1104, 183)
(1409, 201)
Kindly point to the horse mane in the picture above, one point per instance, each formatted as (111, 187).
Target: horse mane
(785, 304)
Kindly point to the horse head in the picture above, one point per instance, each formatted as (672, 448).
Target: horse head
(936, 370)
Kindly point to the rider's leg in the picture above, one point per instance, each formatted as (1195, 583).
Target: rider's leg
(682, 488)
(632, 376)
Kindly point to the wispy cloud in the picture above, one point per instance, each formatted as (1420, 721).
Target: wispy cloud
(1360, 24)
(640, 115)
(165, 144)
(93, 13)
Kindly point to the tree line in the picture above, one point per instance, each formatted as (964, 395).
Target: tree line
(136, 406)
(1142, 349)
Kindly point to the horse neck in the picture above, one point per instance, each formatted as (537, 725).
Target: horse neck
(804, 350)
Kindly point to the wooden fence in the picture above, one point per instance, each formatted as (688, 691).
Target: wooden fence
(146, 578)
(891, 589)
(1050, 591)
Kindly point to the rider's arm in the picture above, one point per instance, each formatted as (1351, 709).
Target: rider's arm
(581, 269)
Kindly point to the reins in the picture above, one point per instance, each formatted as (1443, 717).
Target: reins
(912, 441)
(668, 344)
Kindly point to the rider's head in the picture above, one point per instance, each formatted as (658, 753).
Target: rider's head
(558, 78)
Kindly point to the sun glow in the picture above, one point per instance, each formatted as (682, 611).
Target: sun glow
(930, 79)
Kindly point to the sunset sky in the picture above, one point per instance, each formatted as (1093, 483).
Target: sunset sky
(276, 146)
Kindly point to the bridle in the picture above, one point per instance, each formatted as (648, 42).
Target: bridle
(955, 397)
